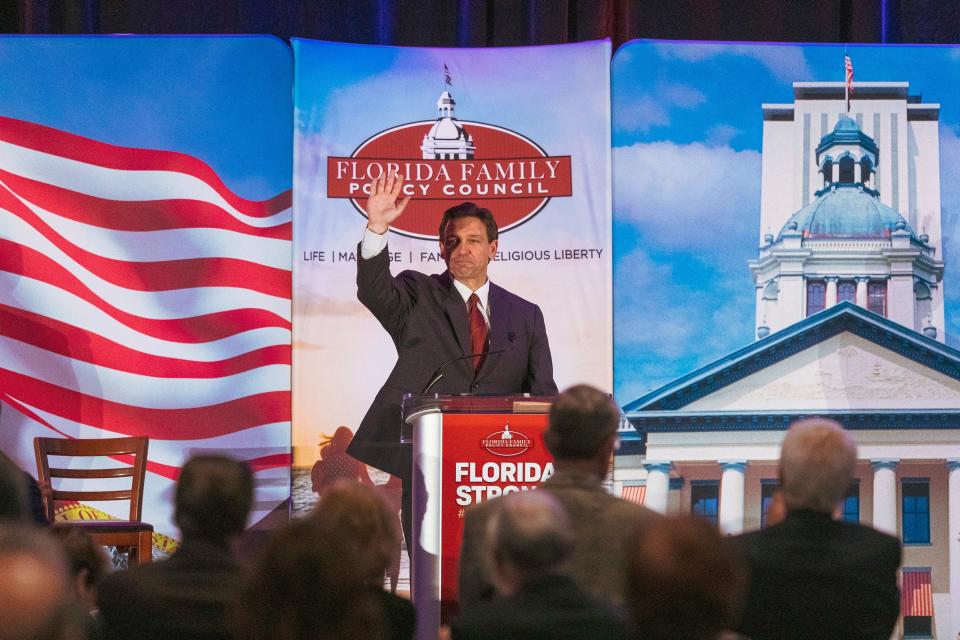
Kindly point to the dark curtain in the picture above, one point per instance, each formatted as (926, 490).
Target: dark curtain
(479, 23)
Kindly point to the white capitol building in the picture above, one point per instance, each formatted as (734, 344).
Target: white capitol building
(849, 324)
(447, 138)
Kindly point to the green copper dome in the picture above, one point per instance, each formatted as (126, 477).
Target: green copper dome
(847, 132)
(846, 212)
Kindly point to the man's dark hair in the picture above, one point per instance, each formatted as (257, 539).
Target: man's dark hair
(470, 210)
(309, 583)
(685, 581)
(13, 496)
(213, 498)
(582, 419)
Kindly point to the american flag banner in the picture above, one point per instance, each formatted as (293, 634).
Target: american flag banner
(848, 78)
(141, 296)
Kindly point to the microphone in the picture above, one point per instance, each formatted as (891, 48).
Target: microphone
(438, 374)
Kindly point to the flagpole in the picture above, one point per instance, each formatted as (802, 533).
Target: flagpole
(846, 82)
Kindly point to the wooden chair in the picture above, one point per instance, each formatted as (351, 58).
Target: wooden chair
(132, 534)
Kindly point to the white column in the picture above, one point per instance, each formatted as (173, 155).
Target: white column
(953, 539)
(831, 291)
(885, 495)
(862, 290)
(658, 485)
(731, 496)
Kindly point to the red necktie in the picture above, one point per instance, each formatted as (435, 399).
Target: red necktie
(478, 330)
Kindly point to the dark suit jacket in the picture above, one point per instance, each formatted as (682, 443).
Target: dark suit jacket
(184, 597)
(427, 320)
(547, 608)
(605, 528)
(814, 577)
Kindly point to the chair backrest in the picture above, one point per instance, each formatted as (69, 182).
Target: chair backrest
(104, 447)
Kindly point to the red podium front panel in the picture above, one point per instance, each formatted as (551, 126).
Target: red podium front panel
(484, 456)
(465, 449)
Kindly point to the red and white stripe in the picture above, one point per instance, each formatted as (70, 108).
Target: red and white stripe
(916, 596)
(140, 296)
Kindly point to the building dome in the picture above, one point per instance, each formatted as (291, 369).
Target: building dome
(847, 212)
(448, 129)
(847, 132)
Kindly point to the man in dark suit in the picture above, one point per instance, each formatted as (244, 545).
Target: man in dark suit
(434, 319)
(581, 437)
(530, 538)
(188, 595)
(812, 575)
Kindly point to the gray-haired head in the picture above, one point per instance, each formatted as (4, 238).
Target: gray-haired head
(817, 461)
(530, 534)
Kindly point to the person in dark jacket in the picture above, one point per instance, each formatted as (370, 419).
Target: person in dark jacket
(188, 595)
(530, 539)
(813, 575)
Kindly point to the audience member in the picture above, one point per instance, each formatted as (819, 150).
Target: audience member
(36, 601)
(187, 596)
(686, 582)
(88, 564)
(310, 582)
(356, 511)
(20, 496)
(581, 436)
(811, 575)
(530, 539)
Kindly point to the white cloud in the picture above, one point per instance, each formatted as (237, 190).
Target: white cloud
(688, 196)
(721, 135)
(641, 115)
(682, 95)
(674, 327)
(786, 62)
(645, 111)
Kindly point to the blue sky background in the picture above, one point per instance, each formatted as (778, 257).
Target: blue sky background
(224, 99)
(687, 127)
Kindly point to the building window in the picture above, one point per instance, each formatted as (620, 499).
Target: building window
(705, 501)
(846, 169)
(877, 297)
(917, 626)
(767, 490)
(916, 511)
(851, 503)
(865, 168)
(816, 296)
(827, 172)
(846, 291)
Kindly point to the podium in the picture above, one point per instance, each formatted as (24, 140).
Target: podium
(466, 449)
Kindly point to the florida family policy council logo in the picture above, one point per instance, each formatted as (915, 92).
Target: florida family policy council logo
(506, 443)
(447, 161)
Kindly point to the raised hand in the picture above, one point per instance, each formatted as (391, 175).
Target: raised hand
(385, 204)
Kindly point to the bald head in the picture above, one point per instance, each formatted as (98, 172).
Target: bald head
(529, 536)
(817, 462)
(36, 601)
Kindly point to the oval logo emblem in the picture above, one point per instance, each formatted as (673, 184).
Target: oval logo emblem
(447, 161)
(506, 443)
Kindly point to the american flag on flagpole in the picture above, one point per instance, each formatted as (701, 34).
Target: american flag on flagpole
(848, 78)
(447, 78)
(140, 296)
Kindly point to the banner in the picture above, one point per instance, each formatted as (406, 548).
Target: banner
(146, 230)
(523, 131)
(786, 246)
